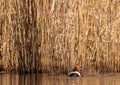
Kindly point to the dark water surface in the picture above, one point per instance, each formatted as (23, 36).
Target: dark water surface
(43, 79)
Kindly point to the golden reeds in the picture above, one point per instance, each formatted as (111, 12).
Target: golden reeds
(55, 35)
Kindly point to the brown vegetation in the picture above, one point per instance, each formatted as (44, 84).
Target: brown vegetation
(55, 35)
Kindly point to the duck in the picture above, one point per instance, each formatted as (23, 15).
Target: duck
(75, 72)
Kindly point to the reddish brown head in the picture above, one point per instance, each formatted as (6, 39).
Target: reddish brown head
(77, 68)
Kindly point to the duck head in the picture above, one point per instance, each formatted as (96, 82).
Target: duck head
(78, 68)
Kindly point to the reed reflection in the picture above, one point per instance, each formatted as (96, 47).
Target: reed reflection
(41, 79)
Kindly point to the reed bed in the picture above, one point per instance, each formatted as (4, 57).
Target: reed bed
(55, 35)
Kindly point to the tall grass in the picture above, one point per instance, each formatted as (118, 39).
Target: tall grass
(55, 35)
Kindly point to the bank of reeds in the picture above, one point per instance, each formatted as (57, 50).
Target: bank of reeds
(55, 35)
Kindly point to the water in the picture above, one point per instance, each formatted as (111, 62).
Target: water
(42, 79)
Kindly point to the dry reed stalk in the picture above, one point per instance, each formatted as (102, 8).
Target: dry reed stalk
(55, 35)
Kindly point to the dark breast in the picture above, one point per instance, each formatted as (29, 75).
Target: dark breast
(73, 75)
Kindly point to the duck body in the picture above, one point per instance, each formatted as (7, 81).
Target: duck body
(74, 74)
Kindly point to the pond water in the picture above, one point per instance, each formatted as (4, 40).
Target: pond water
(43, 79)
